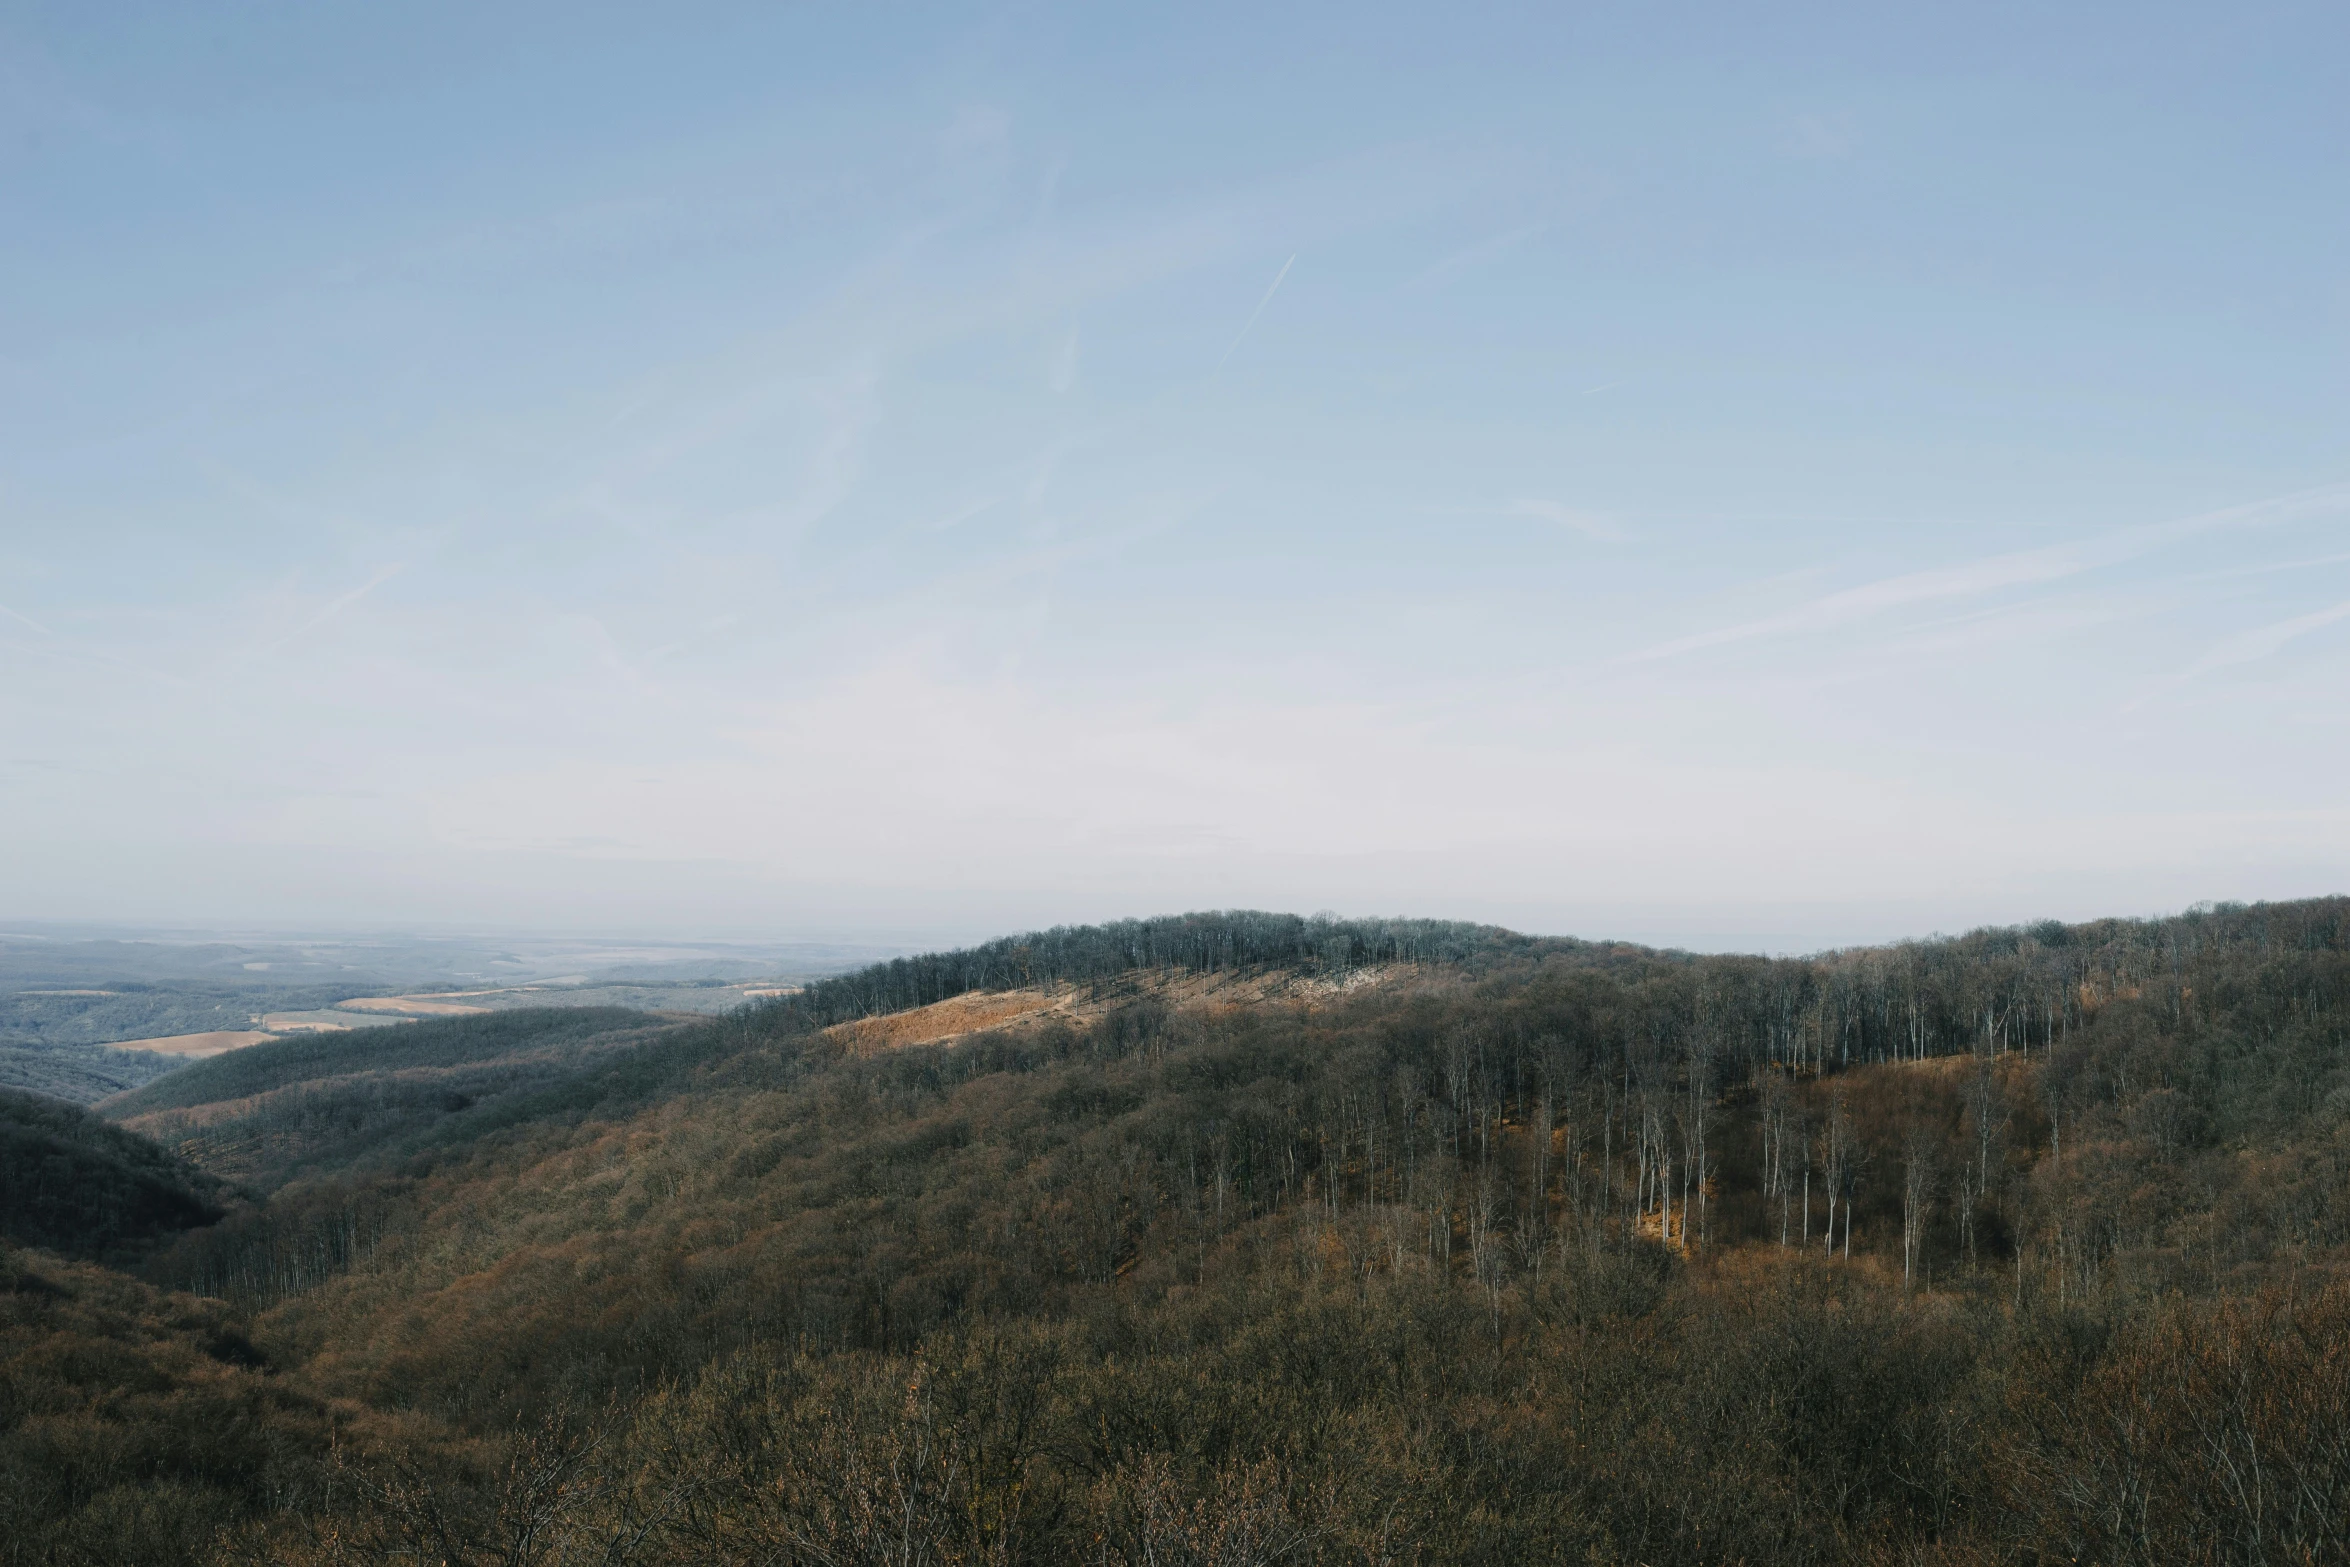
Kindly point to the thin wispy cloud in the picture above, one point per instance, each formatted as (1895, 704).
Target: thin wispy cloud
(963, 514)
(2023, 568)
(2250, 647)
(1590, 524)
(1260, 310)
(100, 659)
(321, 616)
(1470, 256)
(2017, 569)
(2270, 568)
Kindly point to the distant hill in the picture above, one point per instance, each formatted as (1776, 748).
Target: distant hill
(78, 1074)
(72, 1183)
(1241, 940)
(64, 995)
(131, 1009)
(328, 1101)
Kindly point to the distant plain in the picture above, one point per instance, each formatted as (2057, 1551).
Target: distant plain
(88, 1012)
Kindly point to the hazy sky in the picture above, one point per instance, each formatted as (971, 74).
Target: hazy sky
(1729, 475)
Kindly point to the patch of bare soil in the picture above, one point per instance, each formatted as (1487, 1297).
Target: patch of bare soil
(941, 1022)
(984, 1011)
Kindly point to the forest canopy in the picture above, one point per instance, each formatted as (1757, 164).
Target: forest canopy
(75, 1184)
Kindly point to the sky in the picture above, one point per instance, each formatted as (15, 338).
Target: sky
(1726, 476)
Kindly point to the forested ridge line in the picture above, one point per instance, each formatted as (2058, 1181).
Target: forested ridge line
(442, 1042)
(330, 1103)
(1631, 1074)
(1575, 1252)
(2005, 987)
(1189, 943)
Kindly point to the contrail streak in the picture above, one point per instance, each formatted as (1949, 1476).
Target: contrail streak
(1261, 304)
(2019, 569)
(333, 607)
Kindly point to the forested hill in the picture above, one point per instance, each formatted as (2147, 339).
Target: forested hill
(2025, 1246)
(271, 1112)
(73, 1184)
(1239, 939)
(2000, 988)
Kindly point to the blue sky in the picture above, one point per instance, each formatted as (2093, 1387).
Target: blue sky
(1721, 475)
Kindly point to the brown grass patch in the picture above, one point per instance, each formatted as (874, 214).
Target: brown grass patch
(981, 1011)
(945, 1021)
(196, 1046)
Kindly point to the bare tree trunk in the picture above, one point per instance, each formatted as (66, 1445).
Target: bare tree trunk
(1917, 1190)
(1664, 1192)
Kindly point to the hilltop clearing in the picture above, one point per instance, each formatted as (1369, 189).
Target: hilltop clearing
(1072, 1004)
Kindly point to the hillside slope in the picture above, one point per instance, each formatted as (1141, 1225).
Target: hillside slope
(141, 1427)
(266, 1114)
(1512, 1251)
(75, 1184)
(78, 1074)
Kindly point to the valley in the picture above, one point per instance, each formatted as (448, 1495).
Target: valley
(168, 997)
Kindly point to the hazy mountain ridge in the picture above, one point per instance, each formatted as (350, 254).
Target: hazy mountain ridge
(64, 995)
(130, 1010)
(69, 956)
